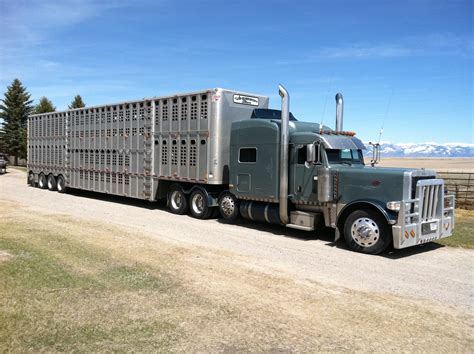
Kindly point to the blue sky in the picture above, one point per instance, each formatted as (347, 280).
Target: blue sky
(413, 57)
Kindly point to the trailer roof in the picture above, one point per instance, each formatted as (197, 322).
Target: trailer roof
(145, 99)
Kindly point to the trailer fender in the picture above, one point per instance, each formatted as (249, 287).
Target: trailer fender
(212, 200)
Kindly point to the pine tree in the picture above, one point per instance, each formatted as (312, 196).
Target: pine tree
(44, 106)
(77, 102)
(14, 110)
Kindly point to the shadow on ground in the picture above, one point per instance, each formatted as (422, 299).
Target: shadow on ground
(325, 234)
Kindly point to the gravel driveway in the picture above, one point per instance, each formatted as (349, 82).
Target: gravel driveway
(431, 272)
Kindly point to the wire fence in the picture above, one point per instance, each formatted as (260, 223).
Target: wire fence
(462, 185)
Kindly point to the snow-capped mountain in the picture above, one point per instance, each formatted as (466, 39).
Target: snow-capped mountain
(423, 150)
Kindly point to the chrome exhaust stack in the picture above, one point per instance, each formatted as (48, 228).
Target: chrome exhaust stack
(284, 143)
(339, 111)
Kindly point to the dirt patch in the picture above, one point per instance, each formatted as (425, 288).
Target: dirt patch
(5, 256)
(81, 285)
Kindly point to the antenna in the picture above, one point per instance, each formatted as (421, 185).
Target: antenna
(385, 116)
(325, 103)
(376, 147)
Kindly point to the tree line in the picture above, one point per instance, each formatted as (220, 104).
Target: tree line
(15, 107)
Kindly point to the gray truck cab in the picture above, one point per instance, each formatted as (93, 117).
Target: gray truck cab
(329, 184)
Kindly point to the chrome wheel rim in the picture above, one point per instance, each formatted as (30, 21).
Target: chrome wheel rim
(41, 181)
(227, 205)
(198, 204)
(50, 183)
(176, 200)
(60, 184)
(365, 232)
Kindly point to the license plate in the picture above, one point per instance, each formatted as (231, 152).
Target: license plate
(429, 227)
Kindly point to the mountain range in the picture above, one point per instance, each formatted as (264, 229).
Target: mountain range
(389, 149)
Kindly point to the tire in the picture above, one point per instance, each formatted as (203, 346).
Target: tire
(52, 184)
(42, 183)
(177, 201)
(367, 231)
(61, 184)
(31, 179)
(229, 206)
(199, 207)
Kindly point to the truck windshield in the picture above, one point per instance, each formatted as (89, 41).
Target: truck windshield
(345, 156)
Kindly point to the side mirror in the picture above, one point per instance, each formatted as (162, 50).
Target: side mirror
(375, 153)
(310, 153)
(313, 153)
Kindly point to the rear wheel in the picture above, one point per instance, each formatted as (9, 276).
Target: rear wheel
(177, 201)
(31, 179)
(229, 206)
(367, 231)
(61, 184)
(42, 181)
(51, 183)
(199, 206)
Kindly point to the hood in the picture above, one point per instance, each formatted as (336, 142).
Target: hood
(376, 183)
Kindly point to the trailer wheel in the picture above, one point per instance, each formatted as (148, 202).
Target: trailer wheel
(199, 206)
(61, 184)
(177, 200)
(229, 206)
(31, 179)
(51, 183)
(42, 181)
(367, 231)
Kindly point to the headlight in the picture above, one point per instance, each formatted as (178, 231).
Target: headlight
(395, 206)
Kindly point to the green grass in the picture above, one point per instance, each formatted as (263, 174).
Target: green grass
(463, 235)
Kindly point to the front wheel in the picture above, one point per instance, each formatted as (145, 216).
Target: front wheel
(229, 206)
(367, 231)
(199, 207)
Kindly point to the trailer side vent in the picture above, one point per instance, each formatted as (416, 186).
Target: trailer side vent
(164, 153)
(183, 156)
(174, 110)
(204, 107)
(184, 109)
(194, 110)
(165, 111)
(174, 153)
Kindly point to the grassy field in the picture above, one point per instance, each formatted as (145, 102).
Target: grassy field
(19, 168)
(73, 285)
(463, 235)
(438, 164)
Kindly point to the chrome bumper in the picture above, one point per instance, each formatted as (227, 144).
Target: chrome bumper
(424, 219)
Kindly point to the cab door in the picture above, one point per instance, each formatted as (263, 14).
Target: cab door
(304, 176)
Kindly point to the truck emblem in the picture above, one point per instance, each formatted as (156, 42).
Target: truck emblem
(248, 100)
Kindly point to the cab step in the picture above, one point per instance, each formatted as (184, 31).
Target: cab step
(302, 220)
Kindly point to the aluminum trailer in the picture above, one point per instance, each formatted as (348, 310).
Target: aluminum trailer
(139, 148)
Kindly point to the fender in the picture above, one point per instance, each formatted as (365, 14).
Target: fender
(212, 201)
(390, 216)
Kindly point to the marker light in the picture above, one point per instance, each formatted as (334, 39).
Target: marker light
(395, 206)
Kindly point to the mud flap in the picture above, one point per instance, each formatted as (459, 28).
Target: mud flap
(337, 234)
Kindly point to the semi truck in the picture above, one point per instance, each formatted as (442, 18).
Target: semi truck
(220, 151)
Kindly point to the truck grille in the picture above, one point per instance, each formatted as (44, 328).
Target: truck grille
(430, 193)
